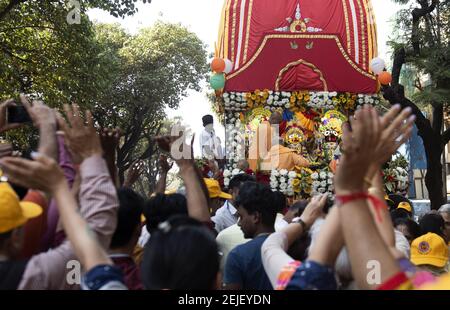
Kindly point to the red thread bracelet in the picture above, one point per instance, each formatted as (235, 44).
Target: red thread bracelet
(377, 203)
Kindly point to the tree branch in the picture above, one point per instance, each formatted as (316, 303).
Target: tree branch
(399, 61)
(396, 95)
(417, 14)
(12, 55)
(438, 115)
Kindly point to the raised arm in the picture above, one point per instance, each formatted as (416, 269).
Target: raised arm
(110, 139)
(273, 251)
(197, 201)
(98, 205)
(164, 168)
(44, 119)
(97, 196)
(396, 128)
(365, 245)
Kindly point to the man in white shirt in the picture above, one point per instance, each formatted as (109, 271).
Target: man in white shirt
(227, 214)
(210, 144)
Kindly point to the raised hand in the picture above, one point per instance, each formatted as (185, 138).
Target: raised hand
(164, 164)
(358, 146)
(134, 173)
(82, 139)
(4, 126)
(43, 173)
(110, 139)
(314, 209)
(40, 114)
(178, 149)
(396, 127)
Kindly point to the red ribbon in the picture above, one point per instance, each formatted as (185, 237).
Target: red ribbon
(377, 203)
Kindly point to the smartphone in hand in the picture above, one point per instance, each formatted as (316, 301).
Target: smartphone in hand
(18, 115)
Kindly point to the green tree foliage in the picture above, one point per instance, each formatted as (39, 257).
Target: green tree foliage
(422, 42)
(155, 70)
(42, 54)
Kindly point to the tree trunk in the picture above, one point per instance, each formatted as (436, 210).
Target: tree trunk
(433, 177)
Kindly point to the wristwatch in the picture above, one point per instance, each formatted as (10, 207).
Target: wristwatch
(298, 220)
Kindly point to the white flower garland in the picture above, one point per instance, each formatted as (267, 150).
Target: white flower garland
(281, 180)
(235, 144)
(229, 174)
(236, 101)
(322, 183)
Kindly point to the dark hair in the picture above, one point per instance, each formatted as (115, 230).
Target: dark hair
(129, 214)
(397, 199)
(280, 201)
(207, 119)
(5, 236)
(161, 207)
(20, 191)
(256, 197)
(399, 214)
(432, 222)
(181, 255)
(238, 179)
(299, 206)
(413, 227)
(299, 248)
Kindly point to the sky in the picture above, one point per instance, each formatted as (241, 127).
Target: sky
(202, 17)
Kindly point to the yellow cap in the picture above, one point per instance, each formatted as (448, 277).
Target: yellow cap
(429, 249)
(214, 189)
(14, 213)
(404, 205)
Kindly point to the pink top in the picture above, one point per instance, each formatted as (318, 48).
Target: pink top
(98, 206)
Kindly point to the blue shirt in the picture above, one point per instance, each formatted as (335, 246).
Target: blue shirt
(244, 266)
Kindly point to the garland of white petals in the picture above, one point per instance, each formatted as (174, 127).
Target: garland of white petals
(282, 180)
(238, 101)
(229, 174)
(235, 139)
(322, 182)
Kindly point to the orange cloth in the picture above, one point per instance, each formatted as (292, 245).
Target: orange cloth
(255, 153)
(282, 157)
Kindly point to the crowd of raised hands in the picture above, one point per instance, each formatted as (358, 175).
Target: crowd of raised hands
(358, 224)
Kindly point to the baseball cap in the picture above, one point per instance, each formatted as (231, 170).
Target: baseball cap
(13, 212)
(405, 205)
(214, 189)
(429, 249)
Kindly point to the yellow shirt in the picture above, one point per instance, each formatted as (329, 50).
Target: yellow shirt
(443, 283)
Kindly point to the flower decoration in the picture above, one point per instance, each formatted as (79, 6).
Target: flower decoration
(395, 175)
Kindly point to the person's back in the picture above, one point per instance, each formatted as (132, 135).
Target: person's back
(244, 265)
(227, 240)
(257, 210)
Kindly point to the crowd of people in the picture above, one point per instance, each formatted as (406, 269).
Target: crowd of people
(64, 204)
